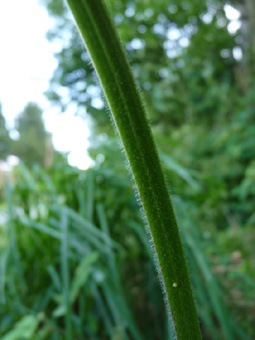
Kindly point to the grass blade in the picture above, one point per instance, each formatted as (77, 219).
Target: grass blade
(65, 276)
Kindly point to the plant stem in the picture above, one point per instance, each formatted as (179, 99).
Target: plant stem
(122, 94)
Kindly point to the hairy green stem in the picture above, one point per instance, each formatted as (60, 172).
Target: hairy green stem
(122, 94)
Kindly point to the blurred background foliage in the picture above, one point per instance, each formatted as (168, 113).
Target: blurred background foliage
(75, 261)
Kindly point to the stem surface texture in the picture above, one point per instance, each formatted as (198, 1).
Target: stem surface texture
(122, 94)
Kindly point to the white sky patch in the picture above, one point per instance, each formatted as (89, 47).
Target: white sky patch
(26, 65)
(70, 134)
(184, 42)
(173, 33)
(137, 43)
(237, 53)
(234, 26)
(97, 103)
(232, 13)
(10, 162)
(207, 18)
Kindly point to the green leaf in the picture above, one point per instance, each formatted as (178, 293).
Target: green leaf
(24, 329)
(171, 164)
(82, 273)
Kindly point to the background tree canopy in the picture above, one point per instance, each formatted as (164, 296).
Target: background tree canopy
(199, 96)
(32, 142)
(196, 74)
(4, 137)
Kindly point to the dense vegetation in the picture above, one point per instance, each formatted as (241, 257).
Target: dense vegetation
(75, 259)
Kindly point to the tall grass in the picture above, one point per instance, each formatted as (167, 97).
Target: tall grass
(64, 274)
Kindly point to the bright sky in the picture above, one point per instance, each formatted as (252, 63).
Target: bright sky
(26, 65)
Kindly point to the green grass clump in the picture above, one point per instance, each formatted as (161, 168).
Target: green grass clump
(72, 266)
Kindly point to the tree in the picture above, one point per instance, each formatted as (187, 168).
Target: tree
(32, 142)
(247, 39)
(5, 140)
